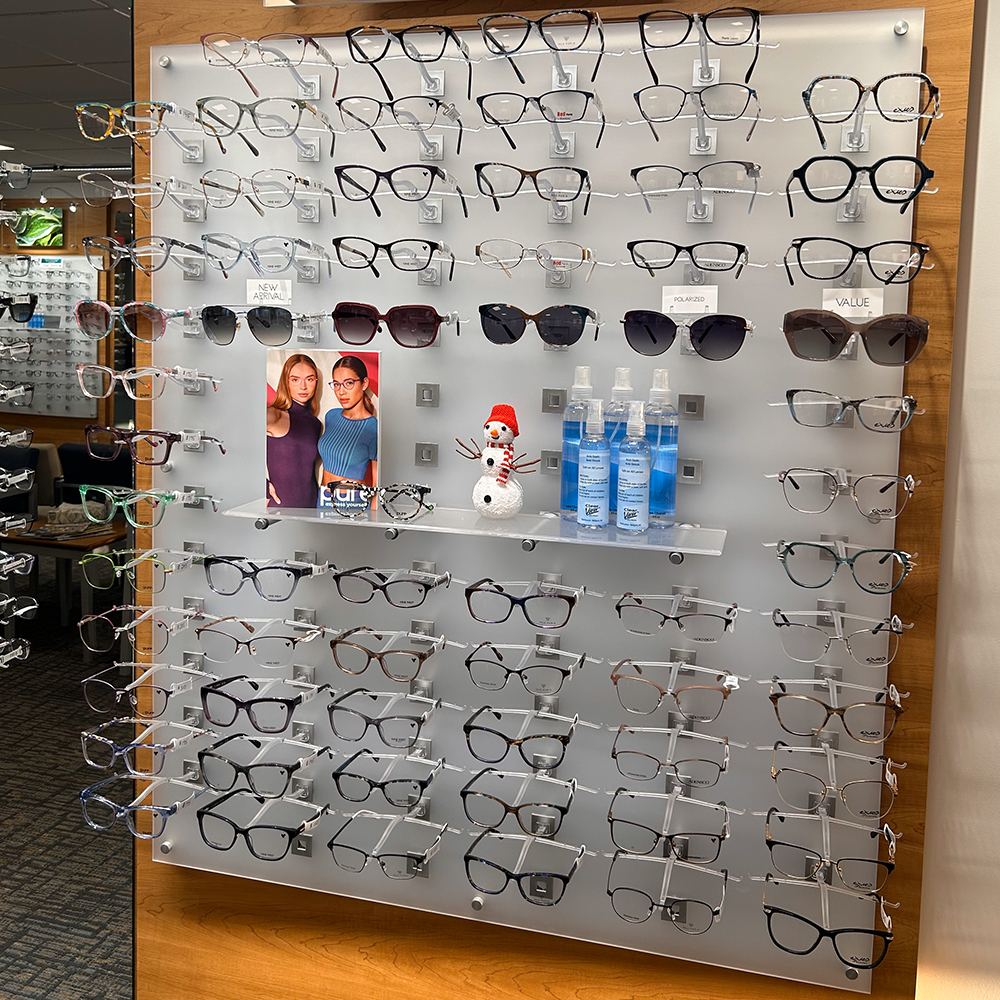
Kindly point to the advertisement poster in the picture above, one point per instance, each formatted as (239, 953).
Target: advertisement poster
(322, 425)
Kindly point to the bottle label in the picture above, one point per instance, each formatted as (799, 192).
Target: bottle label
(633, 492)
(595, 478)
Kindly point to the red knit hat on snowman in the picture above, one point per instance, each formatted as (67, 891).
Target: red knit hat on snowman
(503, 414)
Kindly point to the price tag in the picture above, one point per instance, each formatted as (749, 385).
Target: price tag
(859, 303)
(269, 292)
(690, 299)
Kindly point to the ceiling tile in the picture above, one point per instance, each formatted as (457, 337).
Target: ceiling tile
(39, 116)
(45, 6)
(66, 84)
(26, 57)
(87, 36)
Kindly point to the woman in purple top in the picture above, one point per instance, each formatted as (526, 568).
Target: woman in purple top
(293, 432)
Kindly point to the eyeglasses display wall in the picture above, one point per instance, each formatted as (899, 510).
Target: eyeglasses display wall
(41, 344)
(669, 819)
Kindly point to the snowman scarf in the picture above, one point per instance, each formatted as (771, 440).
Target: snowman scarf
(505, 465)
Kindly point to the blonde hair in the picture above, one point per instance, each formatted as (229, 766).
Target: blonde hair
(282, 395)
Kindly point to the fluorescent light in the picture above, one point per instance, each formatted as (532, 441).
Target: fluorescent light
(6, 147)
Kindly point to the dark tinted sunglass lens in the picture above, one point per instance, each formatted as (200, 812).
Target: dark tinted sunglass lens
(718, 338)
(501, 324)
(561, 325)
(21, 311)
(818, 336)
(355, 324)
(143, 321)
(649, 333)
(413, 326)
(271, 325)
(94, 319)
(896, 340)
(219, 323)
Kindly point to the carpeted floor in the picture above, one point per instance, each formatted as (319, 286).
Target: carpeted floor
(65, 889)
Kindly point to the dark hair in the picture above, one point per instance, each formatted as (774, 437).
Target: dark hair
(360, 369)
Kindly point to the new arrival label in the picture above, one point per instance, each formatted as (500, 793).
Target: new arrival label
(858, 303)
(690, 299)
(269, 292)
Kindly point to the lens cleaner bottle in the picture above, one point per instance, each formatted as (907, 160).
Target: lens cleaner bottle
(595, 470)
(616, 423)
(574, 419)
(634, 473)
(661, 433)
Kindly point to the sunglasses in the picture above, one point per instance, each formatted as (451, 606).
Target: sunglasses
(560, 326)
(409, 326)
(143, 321)
(270, 325)
(715, 338)
(817, 335)
(20, 308)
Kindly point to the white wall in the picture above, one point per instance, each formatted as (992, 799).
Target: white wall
(960, 916)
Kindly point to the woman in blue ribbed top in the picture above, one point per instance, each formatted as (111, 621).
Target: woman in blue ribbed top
(349, 445)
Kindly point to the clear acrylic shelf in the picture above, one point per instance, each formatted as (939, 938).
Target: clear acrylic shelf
(529, 529)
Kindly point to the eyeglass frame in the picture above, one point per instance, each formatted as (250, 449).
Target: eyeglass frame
(909, 406)
(224, 128)
(519, 878)
(903, 558)
(564, 672)
(564, 739)
(509, 810)
(435, 247)
(919, 249)
(585, 255)
(827, 863)
(661, 764)
(368, 492)
(668, 901)
(380, 785)
(420, 656)
(593, 19)
(583, 175)
(134, 807)
(891, 704)
(536, 101)
(889, 780)
(729, 619)
(245, 769)
(934, 95)
(297, 572)
(570, 599)
(410, 577)
(893, 625)
(377, 722)
(667, 838)
(698, 101)
(850, 488)
(694, 20)
(724, 689)
(856, 171)
(742, 256)
(245, 705)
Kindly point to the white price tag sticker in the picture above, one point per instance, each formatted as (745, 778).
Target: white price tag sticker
(857, 303)
(690, 299)
(269, 292)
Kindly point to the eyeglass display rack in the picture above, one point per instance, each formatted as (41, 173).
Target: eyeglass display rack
(57, 344)
(738, 441)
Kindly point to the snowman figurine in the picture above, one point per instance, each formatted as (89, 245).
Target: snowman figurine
(496, 495)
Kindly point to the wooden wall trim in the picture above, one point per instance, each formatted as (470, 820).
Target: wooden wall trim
(204, 935)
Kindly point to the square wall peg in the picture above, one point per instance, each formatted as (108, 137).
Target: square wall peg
(553, 400)
(425, 455)
(428, 394)
(690, 407)
(551, 464)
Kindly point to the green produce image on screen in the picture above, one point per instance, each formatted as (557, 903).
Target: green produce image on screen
(40, 227)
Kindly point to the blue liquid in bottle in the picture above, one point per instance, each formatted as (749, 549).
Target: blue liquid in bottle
(661, 433)
(616, 424)
(574, 421)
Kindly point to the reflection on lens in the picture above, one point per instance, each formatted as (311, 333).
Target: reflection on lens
(697, 773)
(270, 325)
(879, 571)
(413, 326)
(221, 187)
(94, 319)
(561, 326)
(100, 815)
(804, 643)
(355, 324)
(272, 650)
(218, 774)
(833, 99)
(542, 752)
(666, 28)
(219, 324)
(547, 611)
(859, 949)
(100, 695)
(873, 647)
(799, 789)
(216, 832)
(725, 101)
(869, 723)
(827, 178)
(224, 578)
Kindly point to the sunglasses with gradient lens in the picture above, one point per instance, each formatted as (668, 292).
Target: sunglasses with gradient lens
(409, 326)
(560, 326)
(715, 338)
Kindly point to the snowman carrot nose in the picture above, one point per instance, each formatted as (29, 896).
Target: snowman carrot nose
(494, 433)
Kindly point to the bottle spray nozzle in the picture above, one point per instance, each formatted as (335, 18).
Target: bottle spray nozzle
(636, 419)
(595, 417)
(622, 388)
(582, 389)
(660, 392)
